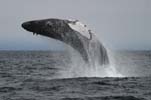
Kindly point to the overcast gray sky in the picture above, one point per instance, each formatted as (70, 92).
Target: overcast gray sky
(119, 24)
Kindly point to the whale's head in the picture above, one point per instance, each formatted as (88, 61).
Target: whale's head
(54, 28)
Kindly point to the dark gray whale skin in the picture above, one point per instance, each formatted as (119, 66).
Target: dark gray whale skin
(60, 30)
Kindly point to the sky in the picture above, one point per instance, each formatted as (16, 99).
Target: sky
(119, 24)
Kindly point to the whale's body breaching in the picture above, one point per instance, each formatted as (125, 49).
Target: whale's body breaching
(74, 34)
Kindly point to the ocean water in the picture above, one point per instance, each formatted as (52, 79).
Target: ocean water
(133, 63)
(36, 75)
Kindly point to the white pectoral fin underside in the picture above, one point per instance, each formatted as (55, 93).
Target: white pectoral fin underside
(81, 28)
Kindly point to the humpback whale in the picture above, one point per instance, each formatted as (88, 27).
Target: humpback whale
(74, 34)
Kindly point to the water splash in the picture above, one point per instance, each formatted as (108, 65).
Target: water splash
(79, 68)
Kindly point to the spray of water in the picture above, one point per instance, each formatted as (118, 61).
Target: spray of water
(94, 68)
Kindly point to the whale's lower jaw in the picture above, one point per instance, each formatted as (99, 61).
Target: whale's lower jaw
(60, 30)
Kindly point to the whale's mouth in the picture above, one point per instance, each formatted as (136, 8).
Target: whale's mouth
(31, 27)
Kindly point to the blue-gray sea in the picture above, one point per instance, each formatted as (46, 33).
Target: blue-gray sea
(34, 75)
